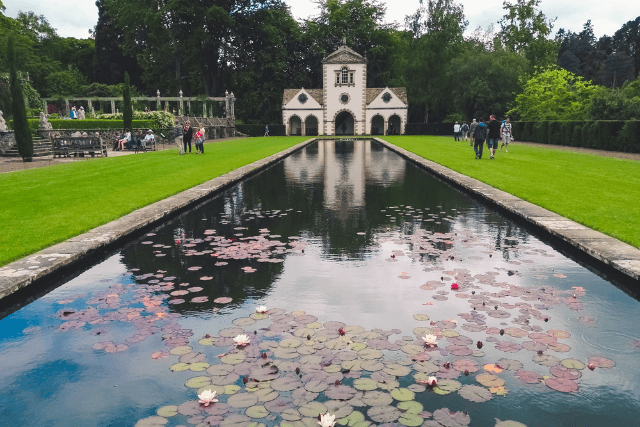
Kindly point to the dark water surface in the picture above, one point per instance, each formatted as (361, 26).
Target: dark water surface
(337, 232)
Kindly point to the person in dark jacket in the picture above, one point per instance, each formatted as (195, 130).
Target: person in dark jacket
(493, 136)
(472, 129)
(187, 136)
(479, 135)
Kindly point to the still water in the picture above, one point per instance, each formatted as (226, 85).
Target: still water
(356, 255)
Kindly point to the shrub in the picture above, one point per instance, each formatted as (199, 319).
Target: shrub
(127, 110)
(629, 136)
(91, 124)
(576, 134)
(528, 131)
(21, 125)
(553, 133)
(429, 129)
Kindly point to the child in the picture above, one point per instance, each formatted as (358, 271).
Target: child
(199, 137)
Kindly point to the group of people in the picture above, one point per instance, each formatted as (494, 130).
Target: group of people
(126, 141)
(479, 132)
(198, 138)
(77, 114)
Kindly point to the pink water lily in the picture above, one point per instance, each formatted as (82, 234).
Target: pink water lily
(432, 381)
(241, 340)
(454, 286)
(327, 420)
(207, 397)
(262, 309)
(430, 340)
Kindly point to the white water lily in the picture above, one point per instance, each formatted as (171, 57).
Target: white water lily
(261, 309)
(432, 381)
(327, 420)
(430, 340)
(241, 340)
(207, 397)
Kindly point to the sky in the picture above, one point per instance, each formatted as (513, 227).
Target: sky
(74, 18)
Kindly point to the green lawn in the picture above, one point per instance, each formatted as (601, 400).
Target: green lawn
(44, 206)
(602, 193)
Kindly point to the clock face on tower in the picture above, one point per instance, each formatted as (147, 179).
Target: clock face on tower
(344, 98)
(302, 98)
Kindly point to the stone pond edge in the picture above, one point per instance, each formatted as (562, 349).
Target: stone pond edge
(61, 257)
(618, 255)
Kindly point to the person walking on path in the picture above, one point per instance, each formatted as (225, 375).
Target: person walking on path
(187, 136)
(506, 134)
(266, 130)
(494, 134)
(465, 131)
(456, 132)
(472, 129)
(479, 136)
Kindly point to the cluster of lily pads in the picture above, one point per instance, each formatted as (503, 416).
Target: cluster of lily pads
(297, 372)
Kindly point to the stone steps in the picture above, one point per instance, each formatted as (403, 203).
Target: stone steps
(41, 147)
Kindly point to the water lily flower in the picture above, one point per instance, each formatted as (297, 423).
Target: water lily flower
(327, 420)
(430, 340)
(241, 340)
(591, 366)
(432, 381)
(261, 309)
(207, 397)
(454, 286)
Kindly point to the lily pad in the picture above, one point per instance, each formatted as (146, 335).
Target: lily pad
(266, 395)
(403, 394)
(563, 372)
(185, 349)
(197, 382)
(233, 359)
(546, 360)
(411, 407)
(244, 321)
(475, 393)
(167, 411)
(352, 419)
(316, 386)
(370, 354)
(312, 409)
(410, 420)
(572, 364)
(412, 349)
(287, 383)
(371, 365)
(465, 365)
(383, 414)
(257, 411)
(601, 362)
(447, 386)
(242, 400)
(338, 408)
(377, 398)
(508, 423)
(219, 370)
(290, 415)
(509, 364)
(561, 384)
(397, 370)
(178, 367)
(290, 343)
(448, 418)
(340, 392)
(489, 380)
(421, 317)
(153, 421)
(365, 384)
(529, 377)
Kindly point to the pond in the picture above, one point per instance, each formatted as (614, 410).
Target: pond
(356, 256)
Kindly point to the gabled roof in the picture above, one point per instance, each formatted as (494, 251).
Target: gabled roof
(374, 92)
(344, 55)
(289, 94)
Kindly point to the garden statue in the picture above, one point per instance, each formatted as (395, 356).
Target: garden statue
(44, 123)
(81, 113)
(3, 124)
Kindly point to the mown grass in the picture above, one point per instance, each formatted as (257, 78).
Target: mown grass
(602, 193)
(44, 206)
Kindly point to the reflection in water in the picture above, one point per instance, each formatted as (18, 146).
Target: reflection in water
(344, 231)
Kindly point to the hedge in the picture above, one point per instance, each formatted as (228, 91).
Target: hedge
(88, 124)
(429, 129)
(611, 135)
(258, 130)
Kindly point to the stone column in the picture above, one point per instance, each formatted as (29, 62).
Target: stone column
(386, 127)
(44, 106)
(66, 103)
(113, 107)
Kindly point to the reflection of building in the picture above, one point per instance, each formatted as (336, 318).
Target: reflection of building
(344, 106)
(344, 168)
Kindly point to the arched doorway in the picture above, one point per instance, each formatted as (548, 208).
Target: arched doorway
(377, 125)
(395, 125)
(344, 124)
(295, 126)
(311, 126)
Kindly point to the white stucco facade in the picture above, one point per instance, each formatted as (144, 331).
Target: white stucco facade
(344, 106)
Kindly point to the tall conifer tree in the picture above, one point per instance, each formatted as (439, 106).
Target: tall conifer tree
(20, 122)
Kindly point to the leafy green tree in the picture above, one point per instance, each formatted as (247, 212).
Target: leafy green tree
(554, 94)
(127, 110)
(437, 26)
(525, 29)
(616, 104)
(20, 122)
(64, 83)
(486, 81)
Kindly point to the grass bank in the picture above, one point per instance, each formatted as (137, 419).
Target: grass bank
(44, 206)
(602, 193)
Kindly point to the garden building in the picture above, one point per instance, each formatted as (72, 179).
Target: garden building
(345, 106)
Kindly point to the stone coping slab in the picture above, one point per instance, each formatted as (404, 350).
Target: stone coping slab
(57, 258)
(618, 255)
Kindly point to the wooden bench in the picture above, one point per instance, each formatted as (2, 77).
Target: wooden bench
(78, 146)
